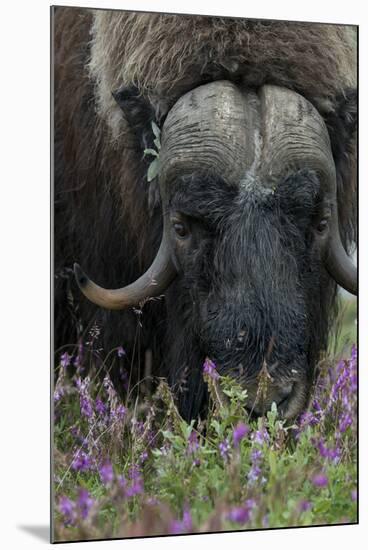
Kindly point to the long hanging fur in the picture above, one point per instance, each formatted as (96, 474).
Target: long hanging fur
(103, 217)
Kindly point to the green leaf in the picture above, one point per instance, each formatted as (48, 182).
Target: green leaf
(216, 425)
(322, 507)
(152, 170)
(272, 462)
(167, 434)
(186, 428)
(150, 152)
(156, 452)
(156, 130)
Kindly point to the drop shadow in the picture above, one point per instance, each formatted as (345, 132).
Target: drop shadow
(41, 532)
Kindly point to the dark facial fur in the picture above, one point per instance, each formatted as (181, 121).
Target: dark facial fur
(249, 270)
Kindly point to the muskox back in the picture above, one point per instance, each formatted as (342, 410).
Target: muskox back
(107, 216)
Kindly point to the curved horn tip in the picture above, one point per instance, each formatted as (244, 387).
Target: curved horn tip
(80, 276)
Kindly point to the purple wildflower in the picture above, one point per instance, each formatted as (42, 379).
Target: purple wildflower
(256, 455)
(85, 400)
(58, 394)
(224, 447)
(261, 436)
(118, 412)
(176, 527)
(306, 419)
(67, 509)
(187, 520)
(239, 515)
(143, 457)
(326, 452)
(106, 473)
(150, 437)
(209, 368)
(86, 407)
(79, 357)
(66, 506)
(65, 359)
(81, 461)
(242, 514)
(85, 502)
(354, 495)
(107, 384)
(255, 469)
(136, 486)
(100, 407)
(240, 431)
(320, 480)
(137, 427)
(304, 505)
(254, 473)
(193, 443)
(346, 373)
(344, 422)
(193, 446)
(134, 472)
(182, 526)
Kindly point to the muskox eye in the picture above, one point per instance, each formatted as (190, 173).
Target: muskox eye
(322, 226)
(180, 229)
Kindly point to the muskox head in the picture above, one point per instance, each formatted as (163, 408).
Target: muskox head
(250, 234)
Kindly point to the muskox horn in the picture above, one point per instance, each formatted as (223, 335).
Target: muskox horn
(337, 262)
(209, 130)
(205, 130)
(153, 283)
(295, 136)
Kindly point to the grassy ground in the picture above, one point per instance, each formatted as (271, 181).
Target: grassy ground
(346, 328)
(136, 468)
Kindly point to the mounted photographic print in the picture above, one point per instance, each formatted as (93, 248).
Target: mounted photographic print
(204, 265)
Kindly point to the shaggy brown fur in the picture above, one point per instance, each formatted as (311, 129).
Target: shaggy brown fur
(100, 209)
(165, 55)
(102, 214)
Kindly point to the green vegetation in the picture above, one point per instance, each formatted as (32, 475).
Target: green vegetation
(136, 468)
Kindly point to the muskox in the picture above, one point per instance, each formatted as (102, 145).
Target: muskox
(234, 251)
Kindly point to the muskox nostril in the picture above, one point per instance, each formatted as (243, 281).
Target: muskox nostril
(284, 394)
(260, 402)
